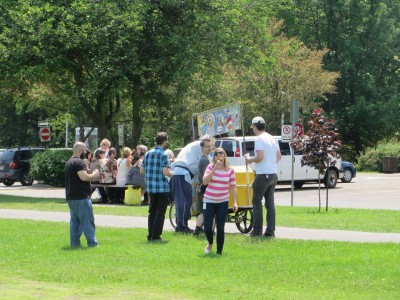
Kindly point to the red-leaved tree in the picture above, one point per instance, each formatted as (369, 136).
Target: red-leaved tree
(320, 145)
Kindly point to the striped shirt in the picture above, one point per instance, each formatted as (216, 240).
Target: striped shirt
(154, 162)
(218, 188)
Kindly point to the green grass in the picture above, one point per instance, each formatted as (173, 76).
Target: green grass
(303, 217)
(36, 262)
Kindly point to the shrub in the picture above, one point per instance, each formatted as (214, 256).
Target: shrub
(48, 166)
(372, 159)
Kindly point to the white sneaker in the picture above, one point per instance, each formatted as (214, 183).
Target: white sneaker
(206, 250)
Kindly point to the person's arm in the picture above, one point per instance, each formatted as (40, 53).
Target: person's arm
(85, 176)
(257, 158)
(210, 172)
(167, 171)
(278, 155)
(232, 192)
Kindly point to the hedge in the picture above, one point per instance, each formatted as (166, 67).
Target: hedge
(48, 166)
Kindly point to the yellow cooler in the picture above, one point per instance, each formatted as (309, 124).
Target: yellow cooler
(243, 186)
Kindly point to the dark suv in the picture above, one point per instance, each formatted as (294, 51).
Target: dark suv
(14, 165)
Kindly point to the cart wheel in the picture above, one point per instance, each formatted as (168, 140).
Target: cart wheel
(172, 214)
(244, 220)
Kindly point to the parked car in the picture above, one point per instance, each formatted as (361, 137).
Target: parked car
(14, 165)
(234, 148)
(349, 171)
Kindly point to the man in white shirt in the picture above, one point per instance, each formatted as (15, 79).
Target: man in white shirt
(267, 154)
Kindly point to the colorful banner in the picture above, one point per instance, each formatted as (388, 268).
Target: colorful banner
(220, 120)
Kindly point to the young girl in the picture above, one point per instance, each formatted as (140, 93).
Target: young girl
(221, 181)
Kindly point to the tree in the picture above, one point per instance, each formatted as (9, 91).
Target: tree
(320, 145)
(362, 37)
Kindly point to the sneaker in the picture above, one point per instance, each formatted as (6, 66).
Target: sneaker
(196, 232)
(254, 234)
(207, 250)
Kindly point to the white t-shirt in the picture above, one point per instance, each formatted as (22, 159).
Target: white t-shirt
(123, 171)
(266, 143)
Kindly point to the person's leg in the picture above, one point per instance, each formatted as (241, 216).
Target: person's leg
(74, 226)
(87, 221)
(187, 213)
(200, 217)
(161, 208)
(152, 214)
(259, 188)
(270, 205)
(103, 194)
(221, 213)
(177, 185)
(209, 214)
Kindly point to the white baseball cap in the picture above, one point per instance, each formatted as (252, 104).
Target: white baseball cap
(257, 120)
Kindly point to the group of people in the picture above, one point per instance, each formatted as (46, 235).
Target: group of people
(114, 172)
(215, 181)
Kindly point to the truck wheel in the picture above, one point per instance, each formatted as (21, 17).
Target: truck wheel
(330, 179)
(347, 175)
(298, 184)
(26, 178)
(8, 182)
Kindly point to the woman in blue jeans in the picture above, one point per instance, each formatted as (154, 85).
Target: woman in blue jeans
(221, 181)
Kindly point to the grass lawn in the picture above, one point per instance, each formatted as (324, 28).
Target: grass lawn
(36, 262)
(304, 217)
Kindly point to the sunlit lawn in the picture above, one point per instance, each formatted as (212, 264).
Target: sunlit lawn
(303, 217)
(36, 262)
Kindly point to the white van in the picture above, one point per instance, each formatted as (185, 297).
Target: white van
(234, 148)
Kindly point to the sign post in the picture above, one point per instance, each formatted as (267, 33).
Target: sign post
(44, 134)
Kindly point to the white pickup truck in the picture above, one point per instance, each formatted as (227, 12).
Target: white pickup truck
(234, 146)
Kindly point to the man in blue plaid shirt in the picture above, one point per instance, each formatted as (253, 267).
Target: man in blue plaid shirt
(156, 167)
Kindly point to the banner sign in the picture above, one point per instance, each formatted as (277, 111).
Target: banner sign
(220, 120)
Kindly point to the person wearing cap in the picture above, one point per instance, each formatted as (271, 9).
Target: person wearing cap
(267, 154)
(185, 168)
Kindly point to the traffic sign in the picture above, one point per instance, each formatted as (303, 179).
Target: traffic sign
(286, 131)
(43, 124)
(299, 129)
(44, 134)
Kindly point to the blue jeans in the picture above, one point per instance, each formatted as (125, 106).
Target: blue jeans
(82, 220)
(219, 211)
(264, 186)
(182, 191)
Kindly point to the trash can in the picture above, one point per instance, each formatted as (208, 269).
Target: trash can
(390, 164)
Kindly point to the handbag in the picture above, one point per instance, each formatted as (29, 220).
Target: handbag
(133, 196)
(135, 178)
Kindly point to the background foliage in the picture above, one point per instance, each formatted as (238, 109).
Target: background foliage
(48, 166)
(151, 65)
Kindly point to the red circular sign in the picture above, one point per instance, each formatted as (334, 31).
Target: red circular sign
(44, 134)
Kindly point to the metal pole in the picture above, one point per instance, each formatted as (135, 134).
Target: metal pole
(194, 134)
(66, 130)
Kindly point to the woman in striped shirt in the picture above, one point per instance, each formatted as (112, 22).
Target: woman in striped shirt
(221, 181)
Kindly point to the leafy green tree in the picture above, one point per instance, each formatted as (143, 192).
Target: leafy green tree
(362, 37)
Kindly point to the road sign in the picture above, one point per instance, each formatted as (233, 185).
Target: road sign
(299, 129)
(286, 131)
(44, 134)
(43, 124)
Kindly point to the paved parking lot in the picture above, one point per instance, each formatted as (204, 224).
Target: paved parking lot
(371, 191)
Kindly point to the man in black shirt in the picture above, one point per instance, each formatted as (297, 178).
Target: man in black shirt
(78, 192)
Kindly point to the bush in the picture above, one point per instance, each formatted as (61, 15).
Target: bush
(48, 166)
(372, 159)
